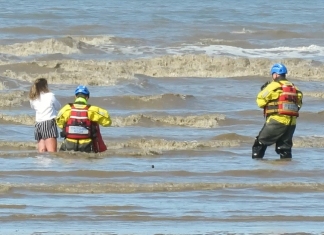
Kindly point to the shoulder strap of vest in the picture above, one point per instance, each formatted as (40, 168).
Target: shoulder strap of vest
(284, 84)
(278, 88)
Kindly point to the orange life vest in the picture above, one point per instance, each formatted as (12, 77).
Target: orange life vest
(78, 126)
(286, 104)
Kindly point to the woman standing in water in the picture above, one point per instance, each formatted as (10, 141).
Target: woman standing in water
(46, 107)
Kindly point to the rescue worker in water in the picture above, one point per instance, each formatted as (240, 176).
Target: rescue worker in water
(281, 101)
(80, 122)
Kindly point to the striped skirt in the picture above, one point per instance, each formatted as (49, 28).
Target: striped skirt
(46, 129)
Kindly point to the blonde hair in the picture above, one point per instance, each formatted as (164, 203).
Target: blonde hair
(40, 85)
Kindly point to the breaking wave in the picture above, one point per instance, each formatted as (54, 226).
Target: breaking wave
(138, 147)
(133, 147)
(100, 174)
(201, 121)
(160, 101)
(110, 72)
(48, 46)
(13, 98)
(195, 121)
(98, 188)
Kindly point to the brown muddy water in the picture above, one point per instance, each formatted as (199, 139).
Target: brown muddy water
(179, 79)
(178, 162)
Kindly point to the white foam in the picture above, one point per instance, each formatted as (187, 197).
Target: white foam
(95, 40)
(310, 52)
(243, 31)
(43, 160)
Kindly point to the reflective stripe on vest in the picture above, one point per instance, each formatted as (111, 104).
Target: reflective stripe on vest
(286, 104)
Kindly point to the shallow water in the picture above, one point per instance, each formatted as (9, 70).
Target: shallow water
(179, 81)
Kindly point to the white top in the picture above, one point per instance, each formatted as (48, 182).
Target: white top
(46, 106)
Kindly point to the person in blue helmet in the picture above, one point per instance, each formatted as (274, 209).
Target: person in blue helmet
(80, 122)
(281, 101)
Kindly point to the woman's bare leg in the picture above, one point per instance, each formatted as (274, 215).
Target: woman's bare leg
(51, 144)
(41, 146)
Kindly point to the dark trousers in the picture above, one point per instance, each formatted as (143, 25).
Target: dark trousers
(71, 146)
(274, 132)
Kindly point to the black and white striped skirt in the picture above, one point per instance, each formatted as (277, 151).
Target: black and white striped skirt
(46, 129)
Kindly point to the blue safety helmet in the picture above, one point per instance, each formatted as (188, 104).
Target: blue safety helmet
(279, 69)
(83, 90)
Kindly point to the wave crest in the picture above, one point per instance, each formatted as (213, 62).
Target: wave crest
(14, 98)
(203, 121)
(48, 46)
(109, 72)
(128, 187)
(21, 119)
